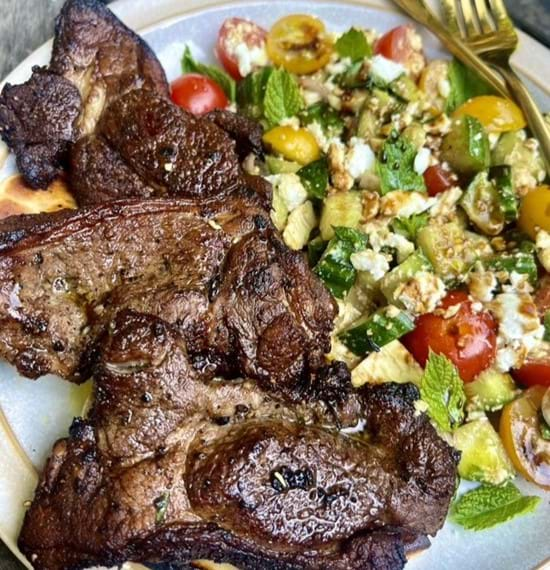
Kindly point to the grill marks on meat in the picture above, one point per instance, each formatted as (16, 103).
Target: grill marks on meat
(217, 271)
(170, 468)
(95, 59)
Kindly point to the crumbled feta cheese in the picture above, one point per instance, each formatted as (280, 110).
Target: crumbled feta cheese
(338, 67)
(422, 160)
(311, 97)
(386, 69)
(482, 285)
(359, 158)
(445, 203)
(493, 139)
(404, 204)
(290, 189)
(444, 87)
(293, 122)
(373, 263)
(519, 328)
(543, 248)
(249, 58)
(422, 293)
(319, 134)
(380, 236)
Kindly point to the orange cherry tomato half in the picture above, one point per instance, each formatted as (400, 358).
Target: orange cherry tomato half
(234, 32)
(198, 94)
(466, 337)
(522, 439)
(438, 179)
(299, 43)
(534, 212)
(535, 371)
(396, 44)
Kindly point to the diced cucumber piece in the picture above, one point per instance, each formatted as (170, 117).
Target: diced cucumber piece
(405, 88)
(335, 267)
(315, 250)
(466, 146)
(490, 391)
(452, 250)
(508, 201)
(415, 134)
(367, 123)
(342, 209)
(517, 262)
(546, 336)
(483, 457)
(482, 204)
(301, 222)
(277, 165)
(279, 210)
(524, 158)
(392, 363)
(415, 263)
(377, 330)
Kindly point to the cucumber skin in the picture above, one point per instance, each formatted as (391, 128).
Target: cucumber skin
(501, 175)
(519, 262)
(466, 147)
(376, 331)
(416, 262)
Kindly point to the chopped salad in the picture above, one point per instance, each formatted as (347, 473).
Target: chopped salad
(420, 200)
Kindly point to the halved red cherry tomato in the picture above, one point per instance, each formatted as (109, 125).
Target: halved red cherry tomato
(535, 371)
(466, 337)
(396, 44)
(198, 94)
(235, 31)
(438, 179)
(520, 433)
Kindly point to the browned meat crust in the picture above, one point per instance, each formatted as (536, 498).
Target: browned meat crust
(95, 59)
(37, 121)
(169, 468)
(217, 270)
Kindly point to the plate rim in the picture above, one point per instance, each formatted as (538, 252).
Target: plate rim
(11, 449)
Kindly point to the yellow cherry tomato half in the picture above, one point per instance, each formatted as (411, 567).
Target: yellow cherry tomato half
(534, 212)
(299, 43)
(298, 145)
(521, 436)
(496, 114)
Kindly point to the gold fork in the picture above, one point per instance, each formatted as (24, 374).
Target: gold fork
(489, 31)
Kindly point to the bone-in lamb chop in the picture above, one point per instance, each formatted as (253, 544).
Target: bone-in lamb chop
(170, 468)
(167, 292)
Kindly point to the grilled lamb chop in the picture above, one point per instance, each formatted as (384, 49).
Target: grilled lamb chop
(218, 271)
(95, 59)
(170, 468)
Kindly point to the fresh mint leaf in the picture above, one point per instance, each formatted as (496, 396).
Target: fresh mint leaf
(325, 115)
(314, 177)
(488, 506)
(465, 84)
(282, 97)
(227, 83)
(335, 267)
(443, 391)
(409, 227)
(395, 166)
(353, 44)
(251, 92)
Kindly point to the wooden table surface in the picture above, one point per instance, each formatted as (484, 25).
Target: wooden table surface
(26, 24)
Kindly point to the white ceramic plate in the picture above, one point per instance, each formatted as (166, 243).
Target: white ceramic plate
(34, 414)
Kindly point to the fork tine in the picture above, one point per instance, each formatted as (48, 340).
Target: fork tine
(484, 17)
(500, 14)
(469, 17)
(451, 16)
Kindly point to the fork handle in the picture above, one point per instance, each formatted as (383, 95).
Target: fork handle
(534, 117)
